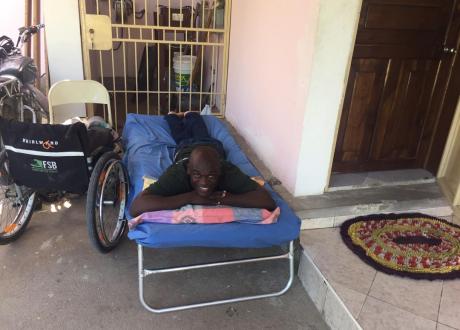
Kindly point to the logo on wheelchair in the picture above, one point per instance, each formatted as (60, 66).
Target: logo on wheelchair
(44, 166)
(46, 144)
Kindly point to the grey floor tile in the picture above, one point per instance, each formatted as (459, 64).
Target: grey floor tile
(441, 326)
(420, 297)
(336, 315)
(352, 299)
(336, 261)
(449, 311)
(379, 315)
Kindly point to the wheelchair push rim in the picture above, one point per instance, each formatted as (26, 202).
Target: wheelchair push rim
(107, 194)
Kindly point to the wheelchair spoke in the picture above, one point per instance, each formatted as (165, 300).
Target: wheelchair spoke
(107, 197)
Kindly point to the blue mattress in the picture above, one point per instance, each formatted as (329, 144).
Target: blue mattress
(149, 148)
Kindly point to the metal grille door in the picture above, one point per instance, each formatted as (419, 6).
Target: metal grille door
(157, 56)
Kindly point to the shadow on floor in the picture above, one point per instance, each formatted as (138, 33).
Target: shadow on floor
(52, 278)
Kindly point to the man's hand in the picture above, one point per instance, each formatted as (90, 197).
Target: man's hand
(197, 199)
(146, 202)
(259, 198)
(217, 197)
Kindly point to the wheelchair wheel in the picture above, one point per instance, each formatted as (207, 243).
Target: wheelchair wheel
(105, 202)
(16, 205)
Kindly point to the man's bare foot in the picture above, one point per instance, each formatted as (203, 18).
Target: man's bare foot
(191, 111)
(178, 114)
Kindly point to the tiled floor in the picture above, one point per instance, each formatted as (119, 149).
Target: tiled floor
(346, 288)
(377, 300)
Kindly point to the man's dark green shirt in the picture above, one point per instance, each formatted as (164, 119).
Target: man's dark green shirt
(175, 180)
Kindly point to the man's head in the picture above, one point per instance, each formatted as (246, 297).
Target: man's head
(204, 169)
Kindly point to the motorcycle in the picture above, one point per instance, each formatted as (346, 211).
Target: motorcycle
(19, 98)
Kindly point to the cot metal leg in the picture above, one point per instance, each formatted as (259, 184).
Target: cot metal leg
(146, 272)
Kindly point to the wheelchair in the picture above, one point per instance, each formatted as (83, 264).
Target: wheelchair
(39, 160)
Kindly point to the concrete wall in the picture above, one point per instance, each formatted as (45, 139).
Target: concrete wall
(333, 49)
(271, 47)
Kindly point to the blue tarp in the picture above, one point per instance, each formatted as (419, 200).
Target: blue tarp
(149, 149)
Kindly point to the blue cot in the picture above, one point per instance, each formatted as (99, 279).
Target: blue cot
(149, 150)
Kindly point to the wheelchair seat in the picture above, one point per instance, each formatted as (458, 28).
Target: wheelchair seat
(99, 139)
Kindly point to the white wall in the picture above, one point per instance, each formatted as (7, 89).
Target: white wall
(334, 42)
(11, 18)
(288, 69)
(62, 20)
(271, 47)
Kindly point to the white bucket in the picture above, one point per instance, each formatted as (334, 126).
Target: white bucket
(177, 55)
(183, 66)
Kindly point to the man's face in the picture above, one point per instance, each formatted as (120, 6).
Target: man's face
(204, 176)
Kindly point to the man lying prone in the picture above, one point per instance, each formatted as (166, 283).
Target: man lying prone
(199, 174)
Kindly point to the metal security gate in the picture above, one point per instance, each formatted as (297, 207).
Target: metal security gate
(156, 56)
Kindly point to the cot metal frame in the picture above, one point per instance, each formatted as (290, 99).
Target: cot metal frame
(143, 273)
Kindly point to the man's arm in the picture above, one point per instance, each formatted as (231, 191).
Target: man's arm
(258, 198)
(148, 202)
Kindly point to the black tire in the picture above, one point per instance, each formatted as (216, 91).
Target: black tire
(9, 108)
(16, 210)
(5, 178)
(105, 202)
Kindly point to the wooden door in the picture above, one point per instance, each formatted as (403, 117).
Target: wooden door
(394, 113)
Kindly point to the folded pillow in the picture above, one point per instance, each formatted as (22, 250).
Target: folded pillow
(202, 214)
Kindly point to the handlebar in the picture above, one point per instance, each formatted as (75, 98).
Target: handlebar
(31, 29)
(26, 31)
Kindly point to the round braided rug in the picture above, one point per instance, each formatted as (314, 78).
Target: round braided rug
(412, 244)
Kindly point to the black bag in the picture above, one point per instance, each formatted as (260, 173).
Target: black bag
(47, 157)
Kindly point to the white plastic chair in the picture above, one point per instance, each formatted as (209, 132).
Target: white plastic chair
(78, 91)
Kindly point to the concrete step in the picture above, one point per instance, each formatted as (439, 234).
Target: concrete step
(363, 180)
(330, 305)
(332, 208)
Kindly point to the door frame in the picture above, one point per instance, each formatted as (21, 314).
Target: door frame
(453, 139)
(447, 176)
